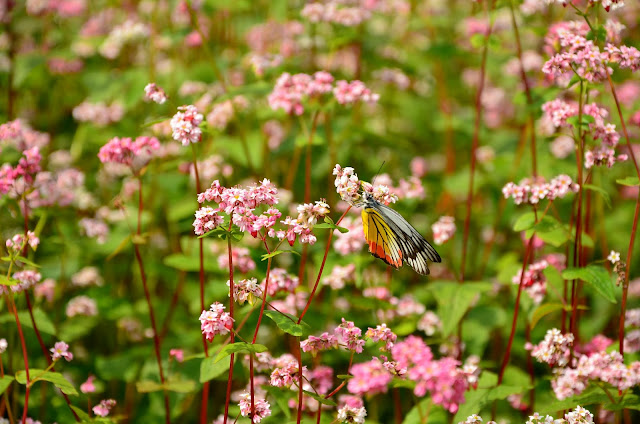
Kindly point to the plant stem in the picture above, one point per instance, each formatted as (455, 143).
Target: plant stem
(232, 334)
(147, 294)
(23, 344)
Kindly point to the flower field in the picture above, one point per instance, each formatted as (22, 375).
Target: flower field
(330, 211)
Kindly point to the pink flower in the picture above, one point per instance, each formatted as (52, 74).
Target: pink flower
(104, 407)
(207, 219)
(315, 344)
(245, 290)
(554, 349)
(261, 410)
(286, 372)
(443, 229)
(215, 321)
(95, 228)
(241, 260)
(178, 354)
(347, 414)
(154, 93)
(18, 242)
(83, 306)
(280, 281)
(369, 378)
(382, 333)
(99, 113)
(347, 184)
(185, 125)
(46, 290)
(61, 350)
(340, 275)
(352, 92)
(129, 152)
(351, 241)
(350, 335)
(88, 386)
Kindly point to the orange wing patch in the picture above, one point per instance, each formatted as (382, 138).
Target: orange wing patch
(382, 240)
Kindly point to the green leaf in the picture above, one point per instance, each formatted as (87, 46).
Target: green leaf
(5, 381)
(147, 386)
(601, 191)
(81, 413)
(27, 261)
(328, 223)
(629, 181)
(556, 237)
(210, 369)
(183, 262)
(240, 347)
(180, 386)
(524, 222)
(282, 398)
(124, 243)
(320, 399)
(586, 120)
(220, 232)
(595, 275)
(276, 253)
(44, 323)
(52, 377)
(7, 281)
(542, 310)
(344, 377)
(287, 323)
(454, 300)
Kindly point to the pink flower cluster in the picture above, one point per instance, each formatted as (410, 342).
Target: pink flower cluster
(349, 414)
(602, 366)
(369, 378)
(245, 290)
(442, 378)
(347, 184)
(291, 91)
(99, 114)
(133, 153)
(215, 321)
(339, 276)
(155, 93)
(21, 136)
(315, 344)
(285, 372)
(61, 350)
(25, 280)
(350, 335)
(382, 333)
(261, 409)
(280, 281)
(429, 323)
(16, 179)
(104, 407)
(18, 242)
(95, 228)
(350, 12)
(607, 4)
(185, 125)
(351, 241)
(532, 192)
(82, 306)
(241, 257)
(534, 280)
(443, 229)
(554, 349)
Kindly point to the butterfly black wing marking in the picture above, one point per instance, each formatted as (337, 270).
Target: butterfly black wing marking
(415, 249)
(382, 234)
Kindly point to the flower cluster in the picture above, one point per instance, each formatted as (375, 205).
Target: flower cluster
(61, 350)
(348, 414)
(347, 184)
(280, 281)
(245, 290)
(443, 379)
(215, 321)
(185, 125)
(291, 91)
(315, 344)
(352, 241)
(104, 407)
(529, 191)
(99, 114)
(339, 276)
(127, 33)
(154, 93)
(605, 367)
(534, 281)
(241, 257)
(22, 137)
(443, 229)
(18, 242)
(350, 335)
(554, 349)
(475, 419)
(94, 228)
(350, 12)
(25, 280)
(261, 409)
(133, 153)
(15, 180)
(382, 333)
(429, 323)
(369, 378)
(83, 306)
(285, 372)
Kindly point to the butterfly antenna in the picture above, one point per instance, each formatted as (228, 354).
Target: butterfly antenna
(377, 173)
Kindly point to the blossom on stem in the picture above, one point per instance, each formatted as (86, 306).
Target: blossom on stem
(348, 414)
(207, 219)
(245, 290)
(261, 409)
(350, 335)
(215, 321)
(369, 378)
(315, 344)
(554, 348)
(443, 229)
(16, 243)
(104, 407)
(89, 385)
(61, 350)
(133, 153)
(83, 306)
(614, 257)
(185, 125)
(382, 333)
(155, 93)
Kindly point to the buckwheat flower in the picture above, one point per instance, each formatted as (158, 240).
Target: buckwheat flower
(154, 93)
(350, 335)
(346, 414)
(89, 385)
(286, 373)
(246, 290)
(579, 415)
(347, 184)
(554, 349)
(3, 345)
(261, 410)
(185, 125)
(215, 321)
(133, 153)
(632, 318)
(178, 354)
(83, 306)
(407, 305)
(369, 378)
(61, 350)
(94, 228)
(87, 276)
(17, 242)
(315, 344)
(26, 280)
(429, 323)
(443, 229)
(351, 241)
(274, 132)
(562, 146)
(207, 219)
(241, 260)
(99, 114)
(339, 276)
(309, 213)
(382, 333)
(472, 419)
(104, 407)
(599, 343)
(280, 281)
(613, 257)
(352, 92)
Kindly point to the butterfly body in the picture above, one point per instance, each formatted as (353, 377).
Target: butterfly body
(391, 238)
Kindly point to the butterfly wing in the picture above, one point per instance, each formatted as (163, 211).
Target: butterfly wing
(414, 249)
(383, 241)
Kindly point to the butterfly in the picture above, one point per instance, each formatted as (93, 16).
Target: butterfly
(392, 239)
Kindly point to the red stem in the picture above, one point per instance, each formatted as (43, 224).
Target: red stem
(23, 344)
(514, 322)
(232, 334)
(324, 260)
(152, 317)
